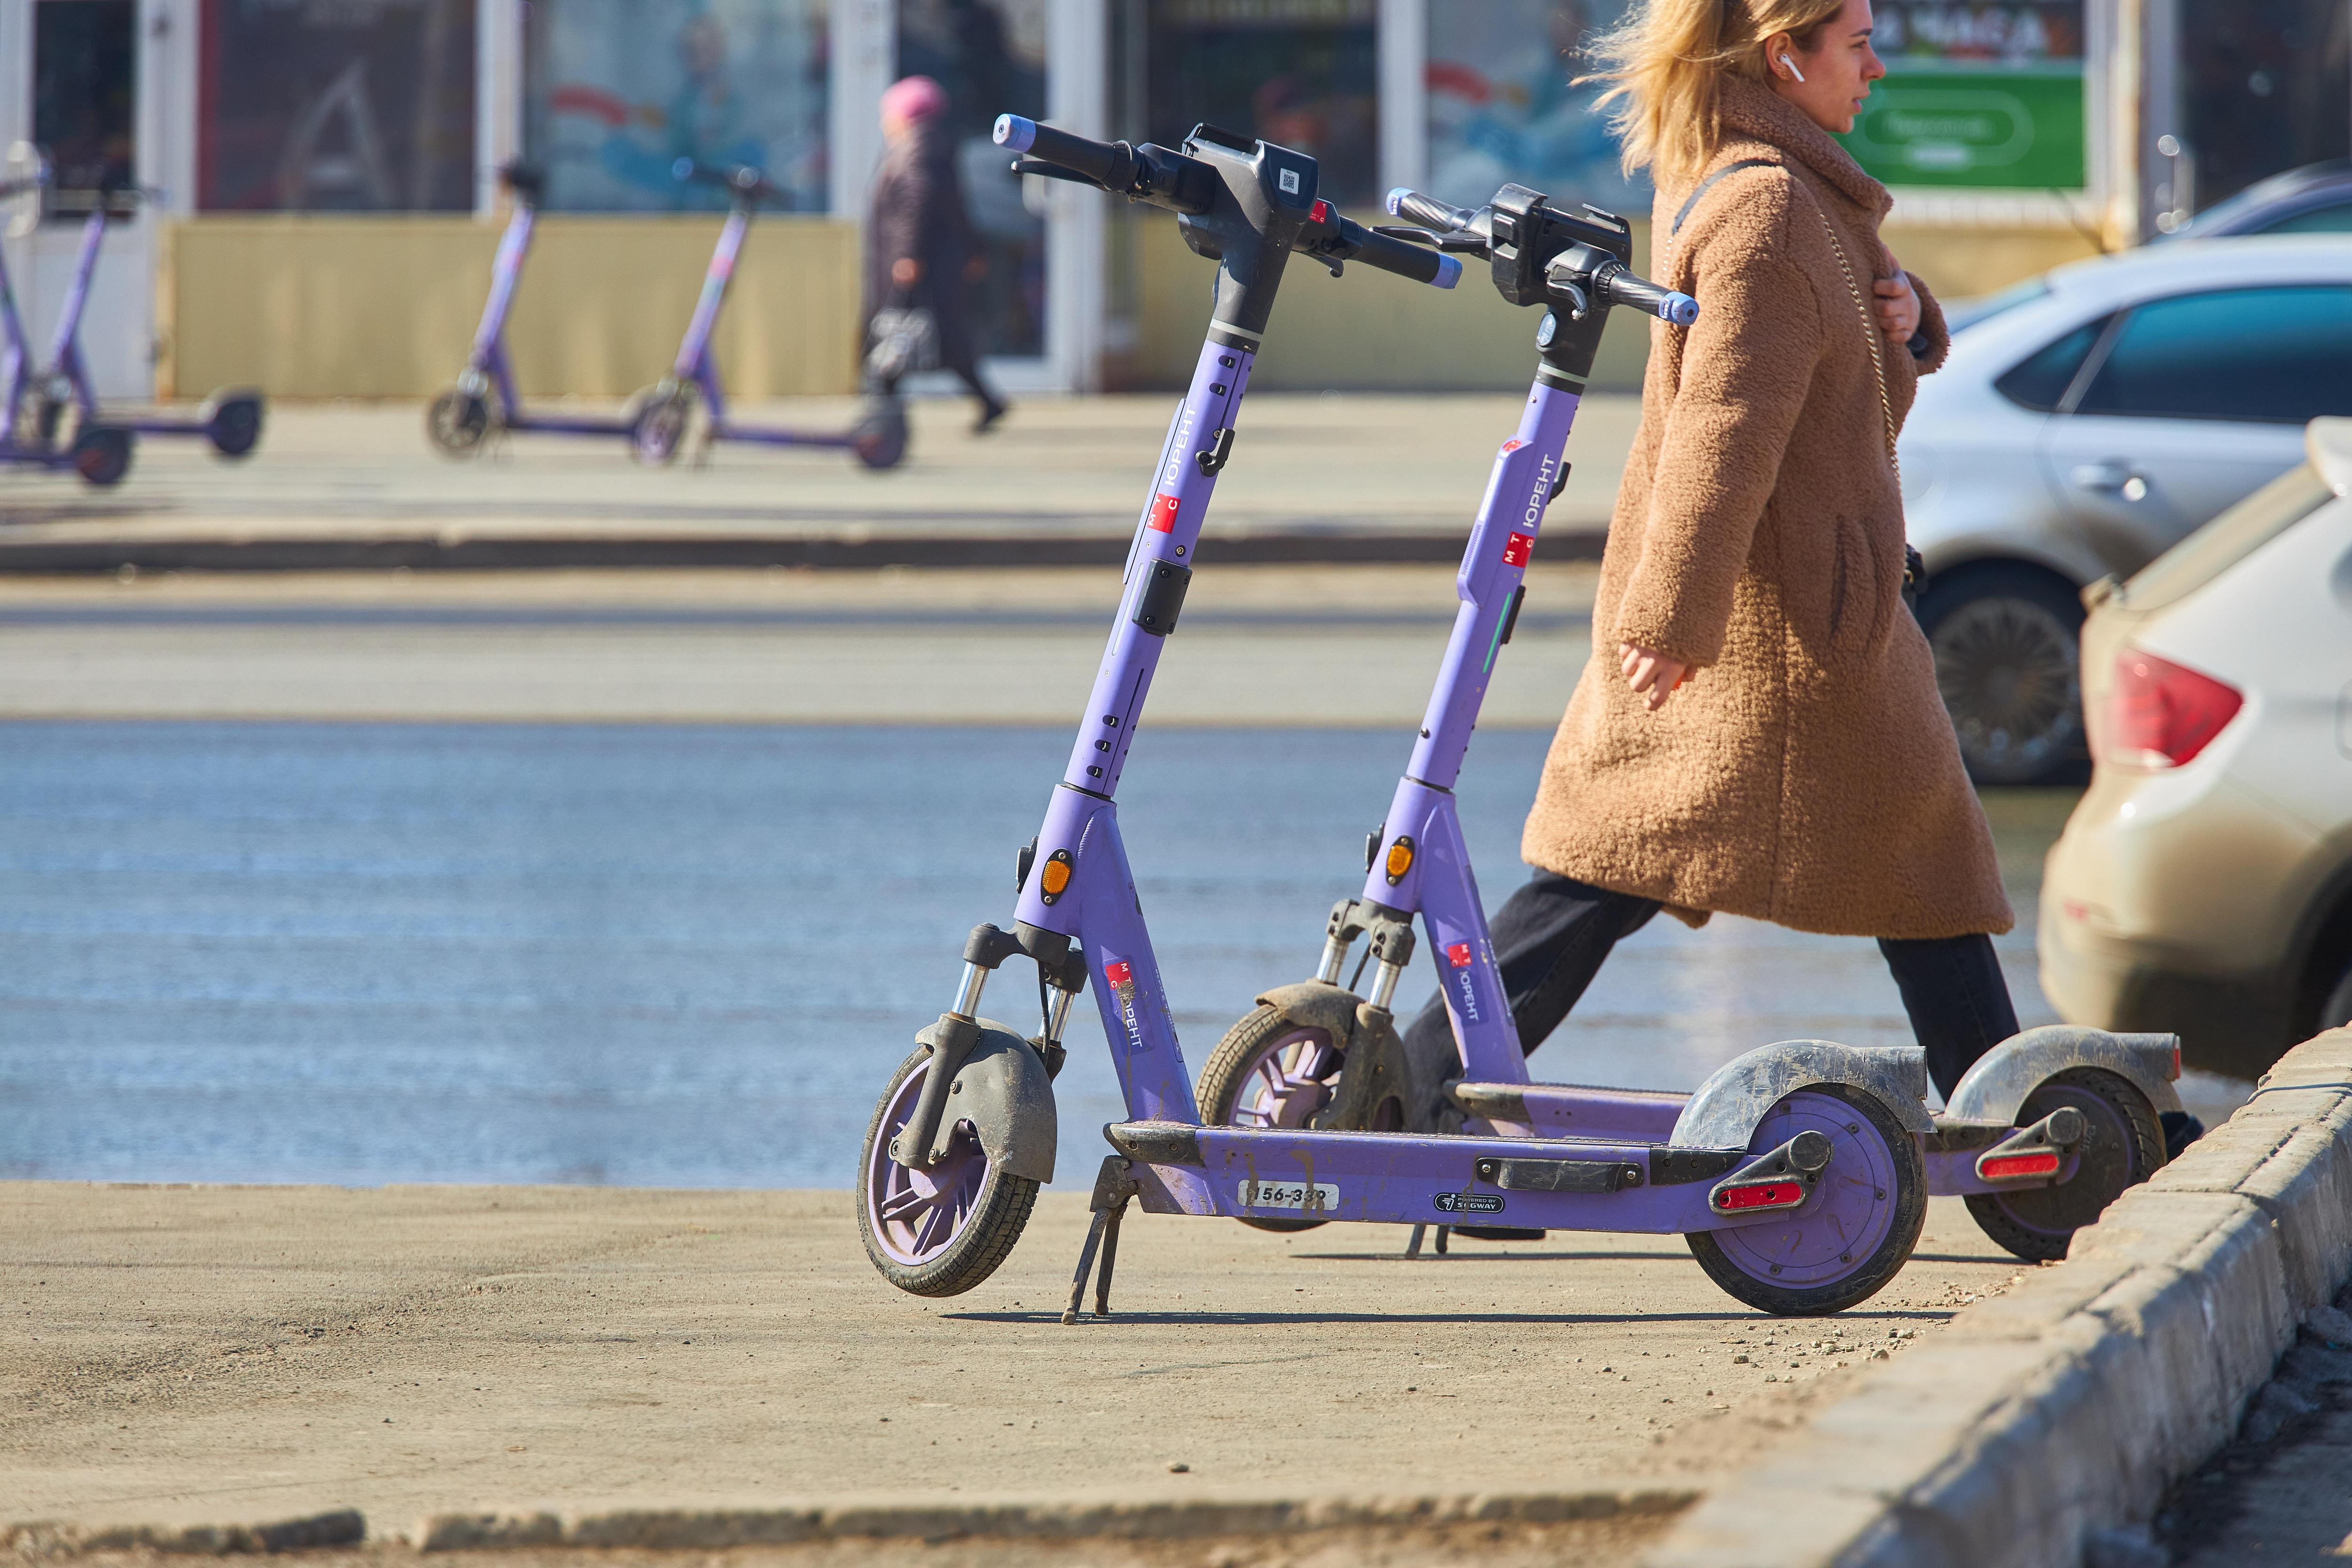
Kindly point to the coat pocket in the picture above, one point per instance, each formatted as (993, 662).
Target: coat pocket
(1856, 615)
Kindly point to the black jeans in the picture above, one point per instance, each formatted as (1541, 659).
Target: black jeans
(1551, 936)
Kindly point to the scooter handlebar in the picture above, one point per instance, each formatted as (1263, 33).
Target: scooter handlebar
(1651, 299)
(1096, 162)
(1428, 211)
(1329, 236)
(741, 179)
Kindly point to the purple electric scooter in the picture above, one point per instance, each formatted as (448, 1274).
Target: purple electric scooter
(483, 401)
(690, 398)
(2040, 1134)
(99, 453)
(230, 418)
(1797, 1168)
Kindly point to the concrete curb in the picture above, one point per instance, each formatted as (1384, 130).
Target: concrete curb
(842, 552)
(342, 1527)
(719, 1528)
(2066, 1407)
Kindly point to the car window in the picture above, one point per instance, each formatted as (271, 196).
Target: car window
(2039, 379)
(2256, 354)
(2335, 219)
(1960, 315)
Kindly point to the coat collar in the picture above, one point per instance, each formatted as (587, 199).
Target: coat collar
(1750, 108)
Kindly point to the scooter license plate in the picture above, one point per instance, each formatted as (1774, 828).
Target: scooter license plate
(1309, 1198)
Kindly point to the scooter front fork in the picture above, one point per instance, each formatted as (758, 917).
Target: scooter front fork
(1391, 946)
(956, 1034)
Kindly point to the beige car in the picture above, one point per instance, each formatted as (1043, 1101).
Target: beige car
(2204, 883)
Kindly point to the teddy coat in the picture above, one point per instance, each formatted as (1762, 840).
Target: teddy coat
(1807, 773)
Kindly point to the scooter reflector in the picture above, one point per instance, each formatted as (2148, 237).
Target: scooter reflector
(1761, 1195)
(2010, 1167)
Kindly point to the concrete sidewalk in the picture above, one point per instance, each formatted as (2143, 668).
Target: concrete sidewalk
(1323, 477)
(176, 1356)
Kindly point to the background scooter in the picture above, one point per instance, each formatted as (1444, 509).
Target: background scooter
(230, 418)
(483, 402)
(98, 453)
(689, 400)
(1813, 1145)
(2041, 1133)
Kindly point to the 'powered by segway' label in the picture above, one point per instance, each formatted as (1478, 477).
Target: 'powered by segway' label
(1469, 1202)
(1309, 1198)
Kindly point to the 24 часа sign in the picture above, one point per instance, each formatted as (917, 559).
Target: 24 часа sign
(1976, 97)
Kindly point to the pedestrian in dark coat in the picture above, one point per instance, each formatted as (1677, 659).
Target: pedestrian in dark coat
(1807, 773)
(920, 251)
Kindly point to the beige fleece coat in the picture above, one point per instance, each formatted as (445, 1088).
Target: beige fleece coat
(1807, 773)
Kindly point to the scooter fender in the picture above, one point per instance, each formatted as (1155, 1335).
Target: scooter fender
(1723, 1114)
(1997, 1086)
(1315, 1004)
(1003, 1092)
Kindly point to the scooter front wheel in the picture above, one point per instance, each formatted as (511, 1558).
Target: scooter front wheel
(879, 440)
(2124, 1147)
(1269, 1073)
(663, 416)
(457, 421)
(940, 1231)
(1852, 1235)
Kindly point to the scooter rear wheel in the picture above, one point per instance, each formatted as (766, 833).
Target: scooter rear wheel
(1855, 1231)
(236, 424)
(101, 454)
(1270, 1072)
(941, 1231)
(880, 439)
(457, 422)
(2124, 1147)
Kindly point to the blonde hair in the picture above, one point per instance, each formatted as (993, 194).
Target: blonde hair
(1666, 64)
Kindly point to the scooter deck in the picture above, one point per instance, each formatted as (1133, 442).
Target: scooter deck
(1395, 1178)
(1580, 1111)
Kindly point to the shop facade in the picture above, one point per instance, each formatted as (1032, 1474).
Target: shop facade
(327, 195)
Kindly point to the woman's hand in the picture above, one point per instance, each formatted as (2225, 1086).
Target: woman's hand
(1898, 306)
(1650, 673)
(906, 272)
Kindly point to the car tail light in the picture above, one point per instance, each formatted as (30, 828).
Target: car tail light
(2159, 714)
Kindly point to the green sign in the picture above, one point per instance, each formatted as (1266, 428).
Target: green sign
(1958, 127)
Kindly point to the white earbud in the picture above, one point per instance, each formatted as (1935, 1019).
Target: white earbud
(1792, 67)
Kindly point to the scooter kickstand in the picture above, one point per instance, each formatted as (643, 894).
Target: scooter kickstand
(1413, 1245)
(1113, 1187)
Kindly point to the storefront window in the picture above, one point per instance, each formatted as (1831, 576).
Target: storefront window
(1298, 72)
(2266, 86)
(1504, 107)
(990, 55)
(326, 105)
(1976, 97)
(81, 97)
(616, 92)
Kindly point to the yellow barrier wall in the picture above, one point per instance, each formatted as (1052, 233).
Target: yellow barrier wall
(386, 307)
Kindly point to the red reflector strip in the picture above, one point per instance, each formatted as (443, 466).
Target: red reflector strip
(2008, 1166)
(1761, 1196)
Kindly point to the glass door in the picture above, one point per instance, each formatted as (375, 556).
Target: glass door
(990, 55)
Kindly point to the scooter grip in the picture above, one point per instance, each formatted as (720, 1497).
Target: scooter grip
(1402, 258)
(1428, 211)
(1081, 155)
(1652, 299)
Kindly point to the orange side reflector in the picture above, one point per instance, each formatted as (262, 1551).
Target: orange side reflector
(1054, 878)
(2008, 1167)
(1400, 859)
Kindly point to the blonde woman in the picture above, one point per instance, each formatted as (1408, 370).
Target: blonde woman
(1758, 731)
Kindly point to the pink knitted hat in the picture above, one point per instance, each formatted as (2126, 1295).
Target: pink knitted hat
(914, 98)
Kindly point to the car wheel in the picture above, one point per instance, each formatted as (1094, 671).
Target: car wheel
(2336, 1010)
(2007, 639)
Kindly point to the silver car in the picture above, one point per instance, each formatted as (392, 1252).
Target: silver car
(2085, 423)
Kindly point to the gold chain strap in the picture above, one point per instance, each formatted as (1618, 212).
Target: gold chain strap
(1870, 338)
